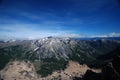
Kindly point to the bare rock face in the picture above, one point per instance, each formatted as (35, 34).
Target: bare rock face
(52, 47)
(73, 69)
(67, 48)
(19, 70)
(110, 71)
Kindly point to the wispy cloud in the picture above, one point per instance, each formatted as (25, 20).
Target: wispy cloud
(30, 31)
(30, 15)
(35, 19)
(73, 35)
(113, 34)
(50, 18)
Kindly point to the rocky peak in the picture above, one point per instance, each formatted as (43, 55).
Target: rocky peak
(52, 47)
(19, 70)
(73, 69)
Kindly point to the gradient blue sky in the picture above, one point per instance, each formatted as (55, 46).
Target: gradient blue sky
(67, 18)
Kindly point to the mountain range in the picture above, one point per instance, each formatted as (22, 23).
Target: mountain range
(51, 54)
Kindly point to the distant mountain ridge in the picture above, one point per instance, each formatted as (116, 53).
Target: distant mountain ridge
(65, 48)
(99, 38)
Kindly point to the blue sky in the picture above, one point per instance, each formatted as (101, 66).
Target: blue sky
(66, 18)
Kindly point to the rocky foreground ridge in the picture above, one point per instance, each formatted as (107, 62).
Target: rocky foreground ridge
(21, 70)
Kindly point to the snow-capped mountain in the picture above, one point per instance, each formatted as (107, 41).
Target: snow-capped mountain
(53, 47)
(67, 48)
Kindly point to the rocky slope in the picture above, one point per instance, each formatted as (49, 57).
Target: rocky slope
(21, 70)
(110, 71)
(73, 69)
(18, 70)
(67, 48)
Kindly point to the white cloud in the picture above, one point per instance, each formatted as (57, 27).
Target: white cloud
(30, 31)
(73, 35)
(113, 34)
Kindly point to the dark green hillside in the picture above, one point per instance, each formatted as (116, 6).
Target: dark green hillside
(10, 53)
